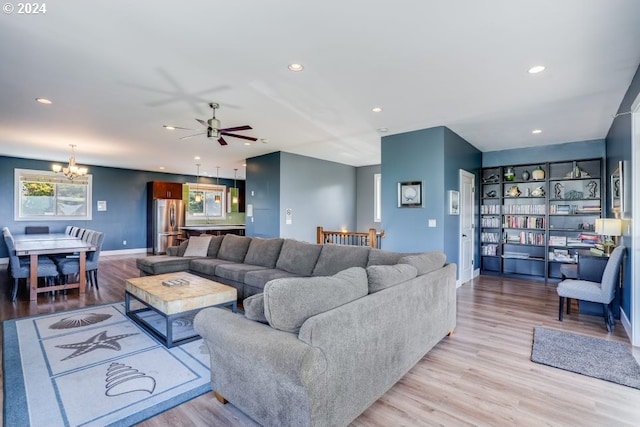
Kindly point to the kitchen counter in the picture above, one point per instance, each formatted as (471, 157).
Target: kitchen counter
(215, 229)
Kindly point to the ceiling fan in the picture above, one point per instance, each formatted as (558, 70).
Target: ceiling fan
(215, 131)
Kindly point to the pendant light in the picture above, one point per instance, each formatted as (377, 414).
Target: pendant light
(217, 198)
(234, 199)
(198, 195)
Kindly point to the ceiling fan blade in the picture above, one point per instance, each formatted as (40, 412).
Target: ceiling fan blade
(191, 136)
(237, 128)
(179, 127)
(222, 141)
(250, 138)
(203, 123)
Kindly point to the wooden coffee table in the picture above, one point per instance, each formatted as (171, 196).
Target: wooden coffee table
(163, 305)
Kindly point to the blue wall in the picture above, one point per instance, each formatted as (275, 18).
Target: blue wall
(319, 193)
(459, 154)
(547, 153)
(618, 143)
(263, 192)
(124, 190)
(433, 156)
(365, 198)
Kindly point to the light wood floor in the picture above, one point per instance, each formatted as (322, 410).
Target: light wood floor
(480, 376)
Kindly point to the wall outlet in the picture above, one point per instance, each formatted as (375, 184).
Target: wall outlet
(124, 243)
(432, 223)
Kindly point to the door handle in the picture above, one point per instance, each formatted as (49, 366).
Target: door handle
(464, 235)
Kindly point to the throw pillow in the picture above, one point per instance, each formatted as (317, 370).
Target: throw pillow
(234, 247)
(198, 246)
(289, 302)
(298, 257)
(384, 276)
(425, 262)
(254, 308)
(183, 247)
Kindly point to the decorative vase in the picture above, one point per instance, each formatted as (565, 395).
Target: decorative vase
(525, 176)
(509, 174)
(538, 174)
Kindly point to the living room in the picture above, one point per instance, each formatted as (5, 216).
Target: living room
(317, 190)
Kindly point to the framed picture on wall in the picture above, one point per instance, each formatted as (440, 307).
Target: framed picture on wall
(617, 190)
(454, 202)
(410, 194)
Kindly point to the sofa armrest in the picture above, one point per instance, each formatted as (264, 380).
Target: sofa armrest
(172, 250)
(263, 371)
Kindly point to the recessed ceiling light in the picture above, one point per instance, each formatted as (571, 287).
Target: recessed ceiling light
(244, 165)
(161, 168)
(196, 158)
(536, 131)
(537, 69)
(247, 143)
(383, 130)
(169, 127)
(43, 101)
(376, 109)
(264, 140)
(296, 67)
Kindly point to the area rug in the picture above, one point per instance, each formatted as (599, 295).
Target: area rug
(95, 367)
(594, 357)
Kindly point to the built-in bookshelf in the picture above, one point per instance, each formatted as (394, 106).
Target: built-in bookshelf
(535, 217)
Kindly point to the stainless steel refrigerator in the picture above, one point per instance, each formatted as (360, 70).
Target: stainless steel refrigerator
(168, 217)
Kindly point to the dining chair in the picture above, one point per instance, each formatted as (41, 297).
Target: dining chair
(20, 268)
(36, 229)
(71, 265)
(602, 292)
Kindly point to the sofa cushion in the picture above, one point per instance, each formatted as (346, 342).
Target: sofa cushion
(179, 250)
(197, 246)
(254, 308)
(289, 302)
(381, 257)
(160, 264)
(263, 252)
(214, 246)
(298, 257)
(206, 266)
(384, 276)
(425, 262)
(234, 247)
(236, 272)
(259, 278)
(335, 258)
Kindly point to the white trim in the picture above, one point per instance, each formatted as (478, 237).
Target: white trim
(635, 230)
(463, 174)
(125, 252)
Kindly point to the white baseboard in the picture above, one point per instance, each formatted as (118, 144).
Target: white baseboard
(124, 252)
(626, 324)
(476, 273)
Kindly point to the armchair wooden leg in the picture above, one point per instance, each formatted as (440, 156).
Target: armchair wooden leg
(220, 398)
(561, 309)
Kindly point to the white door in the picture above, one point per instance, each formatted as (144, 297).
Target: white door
(467, 210)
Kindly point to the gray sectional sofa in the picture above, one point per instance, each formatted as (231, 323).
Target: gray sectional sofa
(327, 329)
(248, 263)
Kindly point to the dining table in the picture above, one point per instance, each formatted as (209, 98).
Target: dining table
(35, 245)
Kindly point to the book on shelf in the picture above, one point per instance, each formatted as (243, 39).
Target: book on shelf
(557, 241)
(596, 251)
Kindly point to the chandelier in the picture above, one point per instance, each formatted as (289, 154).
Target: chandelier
(72, 170)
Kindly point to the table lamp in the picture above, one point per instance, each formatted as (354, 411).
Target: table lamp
(611, 229)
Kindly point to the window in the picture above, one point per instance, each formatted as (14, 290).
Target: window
(377, 197)
(206, 201)
(46, 195)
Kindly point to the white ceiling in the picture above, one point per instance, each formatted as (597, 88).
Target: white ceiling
(117, 71)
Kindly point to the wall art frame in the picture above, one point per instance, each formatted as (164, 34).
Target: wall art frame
(410, 194)
(454, 202)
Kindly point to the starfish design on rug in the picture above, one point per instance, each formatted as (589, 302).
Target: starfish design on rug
(97, 341)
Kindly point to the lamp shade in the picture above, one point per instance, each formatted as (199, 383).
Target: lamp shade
(608, 227)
